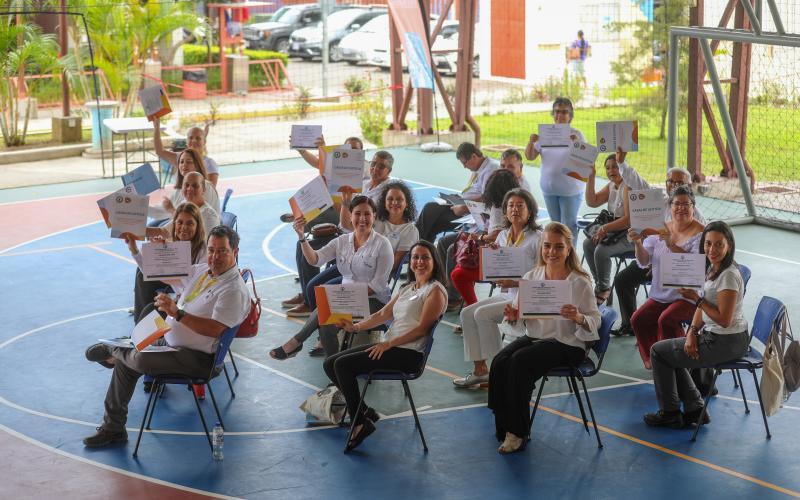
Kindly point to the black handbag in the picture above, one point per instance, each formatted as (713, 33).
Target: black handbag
(603, 218)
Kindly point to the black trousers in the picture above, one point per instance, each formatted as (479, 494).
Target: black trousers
(513, 376)
(342, 368)
(434, 219)
(144, 293)
(447, 252)
(626, 284)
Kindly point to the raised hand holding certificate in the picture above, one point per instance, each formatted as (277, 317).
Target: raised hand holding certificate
(128, 215)
(502, 263)
(543, 299)
(104, 204)
(304, 136)
(311, 200)
(554, 135)
(581, 159)
(154, 102)
(338, 302)
(143, 178)
(347, 171)
(682, 270)
(162, 261)
(613, 135)
(646, 208)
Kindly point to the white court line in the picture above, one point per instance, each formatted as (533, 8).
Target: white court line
(113, 254)
(787, 261)
(268, 254)
(101, 465)
(276, 372)
(56, 249)
(48, 235)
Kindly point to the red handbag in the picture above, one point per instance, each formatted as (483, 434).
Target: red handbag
(466, 251)
(249, 327)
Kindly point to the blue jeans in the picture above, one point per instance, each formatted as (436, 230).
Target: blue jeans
(564, 209)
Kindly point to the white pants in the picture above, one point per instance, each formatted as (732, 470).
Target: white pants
(480, 324)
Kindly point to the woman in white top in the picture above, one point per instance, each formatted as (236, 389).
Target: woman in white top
(548, 343)
(598, 250)
(189, 161)
(363, 256)
(662, 315)
(562, 193)
(193, 191)
(195, 139)
(482, 339)
(414, 310)
(718, 334)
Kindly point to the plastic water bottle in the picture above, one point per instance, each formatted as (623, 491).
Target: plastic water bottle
(217, 441)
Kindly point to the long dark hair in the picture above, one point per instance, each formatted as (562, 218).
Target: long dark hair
(409, 214)
(500, 182)
(199, 240)
(438, 273)
(199, 164)
(725, 230)
(533, 208)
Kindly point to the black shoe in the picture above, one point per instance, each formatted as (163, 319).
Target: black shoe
(367, 428)
(105, 438)
(621, 331)
(692, 417)
(99, 353)
(371, 414)
(672, 419)
(279, 354)
(316, 352)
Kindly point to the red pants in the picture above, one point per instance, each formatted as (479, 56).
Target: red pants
(655, 321)
(464, 281)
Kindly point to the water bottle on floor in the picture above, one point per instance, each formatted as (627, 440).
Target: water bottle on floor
(217, 441)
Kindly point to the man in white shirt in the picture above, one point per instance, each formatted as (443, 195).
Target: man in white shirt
(213, 299)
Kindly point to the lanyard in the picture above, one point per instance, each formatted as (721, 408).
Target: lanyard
(200, 288)
(517, 243)
(472, 179)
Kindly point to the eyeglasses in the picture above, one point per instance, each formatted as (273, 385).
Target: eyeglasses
(377, 164)
(686, 204)
(561, 111)
(675, 183)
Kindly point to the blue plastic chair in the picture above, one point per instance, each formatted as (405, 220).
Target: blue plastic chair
(227, 197)
(587, 368)
(394, 278)
(160, 381)
(228, 219)
(402, 377)
(769, 315)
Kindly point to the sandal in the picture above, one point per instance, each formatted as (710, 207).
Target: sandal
(458, 329)
(279, 354)
(367, 428)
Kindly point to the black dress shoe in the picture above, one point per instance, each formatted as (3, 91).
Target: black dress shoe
(692, 417)
(367, 428)
(105, 438)
(621, 331)
(316, 352)
(661, 418)
(99, 353)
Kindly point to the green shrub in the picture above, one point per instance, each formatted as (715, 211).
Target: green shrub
(198, 54)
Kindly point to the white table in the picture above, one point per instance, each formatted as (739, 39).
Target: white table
(136, 126)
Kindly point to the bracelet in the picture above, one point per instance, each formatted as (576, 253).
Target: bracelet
(303, 240)
(693, 328)
(699, 301)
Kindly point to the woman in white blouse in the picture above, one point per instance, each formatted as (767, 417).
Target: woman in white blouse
(189, 160)
(363, 256)
(482, 339)
(548, 342)
(597, 249)
(193, 191)
(718, 333)
(661, 317)
(414, 311)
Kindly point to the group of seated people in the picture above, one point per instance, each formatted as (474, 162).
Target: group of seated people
(377, 230)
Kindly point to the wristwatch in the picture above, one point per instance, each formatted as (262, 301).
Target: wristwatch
(179, 315)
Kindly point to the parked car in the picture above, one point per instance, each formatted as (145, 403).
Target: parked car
(380, 52)
(446, 61)
(357, 47)
(306, 43)
(274, 34)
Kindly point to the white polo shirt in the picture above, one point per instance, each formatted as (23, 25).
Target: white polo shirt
(373, 194)
(224, 299)
(371, 264)
(401, 236)
(209, 215)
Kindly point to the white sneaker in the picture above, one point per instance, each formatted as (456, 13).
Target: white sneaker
(471, 380)
(511, 444)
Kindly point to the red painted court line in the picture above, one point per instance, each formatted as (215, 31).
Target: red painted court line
(28, 220)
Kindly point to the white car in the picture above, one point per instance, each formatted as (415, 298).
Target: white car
(370, 44)
(446, 61)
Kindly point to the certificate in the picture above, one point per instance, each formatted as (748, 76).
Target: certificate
(143, 178)
(543, 299)
(682, 270)
(479, 213)
(347, 171)
(338, 302)
(154, 102)
(452, 199)
(502, 263)
(555, 135)
(304, 136)
(581, 159)
(311, 200)
(104, 203)
(646, 208)
(613, 135)
(161, 261)
(128, 215)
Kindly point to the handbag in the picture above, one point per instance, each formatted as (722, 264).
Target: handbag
(467, 251)
(772, 382)
(603, 218)
(249, 327)
(324, 230)
(325, 407)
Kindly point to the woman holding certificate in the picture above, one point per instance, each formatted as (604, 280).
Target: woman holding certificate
(661, 316)
(363, 256)
(482, 339)
(718, 333)
(559, 341)
(189, 160)
(196, 140)
(414, 311)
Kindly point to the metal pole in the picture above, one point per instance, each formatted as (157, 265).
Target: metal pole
(733, 144)
(748, 9)
(743, 36)
(325, 45)
(776, 17)
(672, 98)
(62, 38)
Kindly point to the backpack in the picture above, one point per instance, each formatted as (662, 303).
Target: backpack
(791, 359)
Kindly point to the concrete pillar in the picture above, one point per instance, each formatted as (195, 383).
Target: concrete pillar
(152, 69)
(238, 73)
(67, 129)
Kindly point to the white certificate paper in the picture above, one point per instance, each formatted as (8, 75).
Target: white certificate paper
(479, 213)
(337, 302)
(543, 299)
(304, 136)
(104, 203)
(347, 170)
(311, 200)
(154, 102)
(502, 263)
(620, 134)
(583, 153)
(554, 135)
(646, 209)
(161, 261)
(128, 214)
(682, 270)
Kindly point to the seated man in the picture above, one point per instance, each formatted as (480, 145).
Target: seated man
(213, 298)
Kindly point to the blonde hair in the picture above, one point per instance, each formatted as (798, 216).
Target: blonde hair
(199, 238)
(572, 262)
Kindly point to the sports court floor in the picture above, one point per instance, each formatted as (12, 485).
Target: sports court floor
(66, 283)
